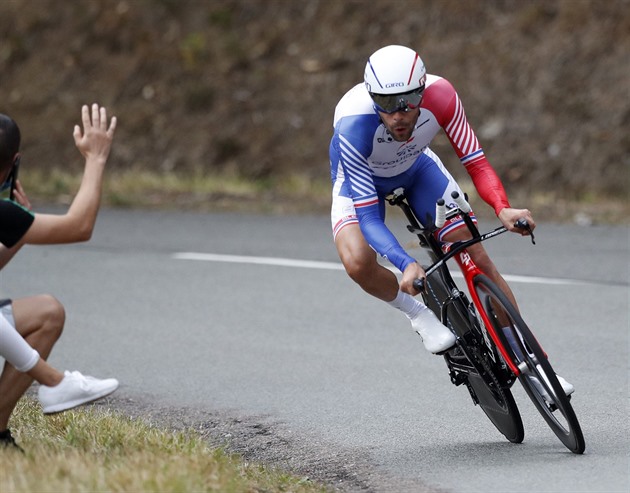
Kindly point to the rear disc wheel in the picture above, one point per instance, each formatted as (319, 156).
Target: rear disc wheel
(494, 398)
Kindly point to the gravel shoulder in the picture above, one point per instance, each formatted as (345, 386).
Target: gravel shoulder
(264, 440)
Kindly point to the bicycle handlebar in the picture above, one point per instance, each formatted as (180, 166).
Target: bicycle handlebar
(461, 202)
(420, 284)
(440, 213)
(523, 224)
(463, 208)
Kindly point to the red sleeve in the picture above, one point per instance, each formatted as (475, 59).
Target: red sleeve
(488, 185)
(442, 100)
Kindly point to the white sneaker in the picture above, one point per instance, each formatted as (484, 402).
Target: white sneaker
(75, 389)
(566, 386)
(435, 336)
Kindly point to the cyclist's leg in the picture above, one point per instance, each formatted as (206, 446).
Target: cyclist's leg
(481, 258)
(359, 261)
(357, 257)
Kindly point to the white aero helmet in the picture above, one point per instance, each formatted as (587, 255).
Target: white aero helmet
(395, 77)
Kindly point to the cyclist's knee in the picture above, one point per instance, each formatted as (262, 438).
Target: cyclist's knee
(359, 267)
(483, 260)
(357, 257)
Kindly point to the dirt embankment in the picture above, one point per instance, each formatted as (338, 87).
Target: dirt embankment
(248, 87)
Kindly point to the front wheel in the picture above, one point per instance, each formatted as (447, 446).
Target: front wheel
(536, 374)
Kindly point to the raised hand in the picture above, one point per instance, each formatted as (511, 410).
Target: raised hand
(95, 139)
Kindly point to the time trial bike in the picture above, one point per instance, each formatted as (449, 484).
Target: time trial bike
(494, 346)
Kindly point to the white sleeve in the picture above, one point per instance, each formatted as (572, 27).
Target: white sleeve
(14, 348)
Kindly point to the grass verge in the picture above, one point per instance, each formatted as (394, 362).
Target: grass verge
(94, 450)
(287, 194)
(198, 192)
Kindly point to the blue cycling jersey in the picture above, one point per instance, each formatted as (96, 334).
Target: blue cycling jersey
(367, 163)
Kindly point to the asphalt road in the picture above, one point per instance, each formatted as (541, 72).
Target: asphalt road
(269, 329)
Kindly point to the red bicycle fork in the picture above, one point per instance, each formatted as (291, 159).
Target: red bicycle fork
(470, 270)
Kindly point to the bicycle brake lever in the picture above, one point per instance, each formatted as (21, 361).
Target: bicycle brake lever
(523, 224)
(419, 284)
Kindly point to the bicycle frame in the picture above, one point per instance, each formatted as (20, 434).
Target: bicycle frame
(489, 305)
(470, 270)
(444, 251)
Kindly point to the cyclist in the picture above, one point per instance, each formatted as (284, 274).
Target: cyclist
(382, 131)
(29, 327)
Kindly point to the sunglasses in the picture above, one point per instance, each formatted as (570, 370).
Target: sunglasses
(391, 103)
(9, 183)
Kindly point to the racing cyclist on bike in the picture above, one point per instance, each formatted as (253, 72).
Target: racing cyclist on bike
(382, 131)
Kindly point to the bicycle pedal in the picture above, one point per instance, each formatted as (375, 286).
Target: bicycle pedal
(457, 353)
(457, 379)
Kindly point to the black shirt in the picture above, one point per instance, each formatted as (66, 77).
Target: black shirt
(14, 222)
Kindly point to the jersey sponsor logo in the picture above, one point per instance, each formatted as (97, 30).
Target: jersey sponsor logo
(384, 137)
(405, 145)
(403, 157)
(406, 153)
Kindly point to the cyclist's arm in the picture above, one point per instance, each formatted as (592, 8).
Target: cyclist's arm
(379, 237)
(350, 155)
(444, 102)
(488, 185)
(492, 192)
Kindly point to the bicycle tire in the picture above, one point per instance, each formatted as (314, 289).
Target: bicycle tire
(529, 357)
(494, 398)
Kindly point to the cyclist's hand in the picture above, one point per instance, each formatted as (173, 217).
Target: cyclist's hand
(509, 216)
(412, 272)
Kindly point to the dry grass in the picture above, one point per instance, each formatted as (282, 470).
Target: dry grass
(289, 194)
(95, 450)
(200, 192)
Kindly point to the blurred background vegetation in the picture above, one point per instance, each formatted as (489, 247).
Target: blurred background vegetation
(231, 101)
